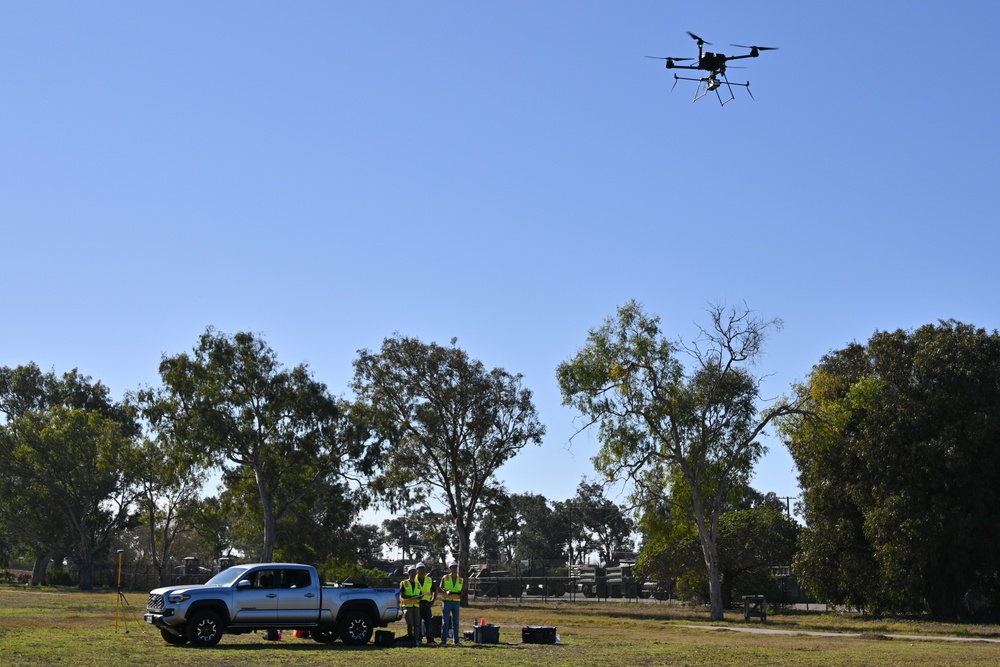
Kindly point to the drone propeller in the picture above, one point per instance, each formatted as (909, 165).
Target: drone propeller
(669, 58)
(698, 39)
(758, 48)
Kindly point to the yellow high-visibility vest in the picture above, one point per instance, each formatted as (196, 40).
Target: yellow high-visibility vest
(452, 588)
(425, 588)
(410, 594)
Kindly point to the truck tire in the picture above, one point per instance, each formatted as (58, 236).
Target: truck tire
(356, 628)
(204, 629)
(171, 638)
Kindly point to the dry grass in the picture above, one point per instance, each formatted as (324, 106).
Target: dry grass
(75, 628)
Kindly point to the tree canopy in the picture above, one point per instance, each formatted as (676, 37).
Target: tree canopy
(447, 424)
(231, 399)
(655, 418)
(70, 454)
(897, 471)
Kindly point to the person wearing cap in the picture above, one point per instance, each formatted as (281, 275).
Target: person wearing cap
(451, 593)
(428, 596)
(410, 595)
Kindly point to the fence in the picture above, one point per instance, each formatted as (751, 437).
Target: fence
(561, 588)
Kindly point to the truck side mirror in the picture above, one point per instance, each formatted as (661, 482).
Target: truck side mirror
(243, 584)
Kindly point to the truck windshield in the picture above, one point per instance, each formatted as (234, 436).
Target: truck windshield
(226, 577)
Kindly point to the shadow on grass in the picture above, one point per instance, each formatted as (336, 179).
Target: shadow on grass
(788, 619)
(367, 648)
(638, 611)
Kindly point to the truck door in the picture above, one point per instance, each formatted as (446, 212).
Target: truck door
(298, 599)
(256, 598)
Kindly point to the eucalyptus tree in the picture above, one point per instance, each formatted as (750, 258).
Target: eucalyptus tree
(70, 464)
(754, 535)
(498, 528)
(86, 463)
(609, 526)
(447, 424)
(524, 526)
(232, 398)
(170, 480)
(656, 417)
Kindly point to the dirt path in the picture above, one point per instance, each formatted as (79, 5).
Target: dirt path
(815, 633)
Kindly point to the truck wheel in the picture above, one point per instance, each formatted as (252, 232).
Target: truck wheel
(324, 635)
(356, 628)
(204, 629)
(171, 638)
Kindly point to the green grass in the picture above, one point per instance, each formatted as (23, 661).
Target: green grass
(56, 627)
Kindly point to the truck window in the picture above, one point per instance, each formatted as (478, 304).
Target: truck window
(263, 579)
(296, 579)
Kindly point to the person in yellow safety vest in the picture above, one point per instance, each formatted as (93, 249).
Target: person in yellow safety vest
(426, 602)
(410, 596)
(451, 591)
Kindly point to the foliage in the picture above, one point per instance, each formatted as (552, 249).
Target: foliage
(754, 535)
(520, 527)
(212, 520)
(311, 530)
(498, 528)
(446, 424)
(403, 534)
(70, 455)
(898, 471)
(656, 420)
(529, 527)
(341, 570)
(436, 532)
(367, 541)
(170, 482)
(608, 528)
(232, 400)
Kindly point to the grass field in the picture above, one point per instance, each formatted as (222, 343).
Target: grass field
(66, 627)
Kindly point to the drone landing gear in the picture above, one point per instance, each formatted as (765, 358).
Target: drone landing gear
(710, 83)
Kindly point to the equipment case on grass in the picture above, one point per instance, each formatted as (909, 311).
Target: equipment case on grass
(486, 634)
(538, 634)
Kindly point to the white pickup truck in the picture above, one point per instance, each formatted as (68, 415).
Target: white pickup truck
(264, 596)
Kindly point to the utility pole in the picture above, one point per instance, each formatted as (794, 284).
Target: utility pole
(788, 504)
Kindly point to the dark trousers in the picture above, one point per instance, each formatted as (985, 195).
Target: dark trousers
(427, 620)
(412, 616)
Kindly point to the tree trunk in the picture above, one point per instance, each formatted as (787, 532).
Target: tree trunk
(158, 565)
(714, 583)
(463, 559)
(710, 550)
(728, 579)
(86, 564)
(39, 568)
(270, 522)
(270, 532)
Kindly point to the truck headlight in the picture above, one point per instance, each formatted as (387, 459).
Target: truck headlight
(177, 598)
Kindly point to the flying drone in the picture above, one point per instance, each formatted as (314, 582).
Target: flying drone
(715, 65)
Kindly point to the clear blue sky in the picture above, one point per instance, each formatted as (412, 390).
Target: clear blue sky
(330, 173)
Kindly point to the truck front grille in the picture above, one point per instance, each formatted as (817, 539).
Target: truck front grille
(155, 602)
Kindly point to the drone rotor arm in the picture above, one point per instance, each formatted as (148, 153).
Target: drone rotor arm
(759, 48)
(689, 78)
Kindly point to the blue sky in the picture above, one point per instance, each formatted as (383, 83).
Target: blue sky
(330, 173)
